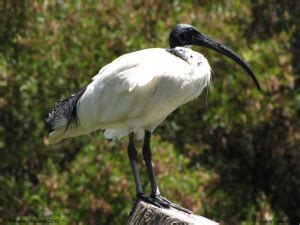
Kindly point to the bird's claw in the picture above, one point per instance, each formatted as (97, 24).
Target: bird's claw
(161, 202)
(173, 205)
(158, 201)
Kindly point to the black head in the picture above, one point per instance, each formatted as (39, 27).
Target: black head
(185, 34)
(182, 35)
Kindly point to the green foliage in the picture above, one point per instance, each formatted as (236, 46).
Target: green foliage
(231, 155)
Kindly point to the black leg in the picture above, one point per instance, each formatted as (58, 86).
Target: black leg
(155, 197)
(148, 161)
(132, 154)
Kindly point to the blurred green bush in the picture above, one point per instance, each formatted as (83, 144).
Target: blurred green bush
(231, 155)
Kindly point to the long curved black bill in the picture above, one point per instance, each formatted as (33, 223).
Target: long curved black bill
(205, 41)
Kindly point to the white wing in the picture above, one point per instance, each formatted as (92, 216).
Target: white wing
(114, 96)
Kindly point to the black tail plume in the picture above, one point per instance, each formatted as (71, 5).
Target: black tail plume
(64, 109)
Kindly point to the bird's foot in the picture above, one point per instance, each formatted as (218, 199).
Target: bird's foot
(156, 200)
(161, 202)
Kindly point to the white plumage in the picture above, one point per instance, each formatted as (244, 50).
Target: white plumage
(136, 92)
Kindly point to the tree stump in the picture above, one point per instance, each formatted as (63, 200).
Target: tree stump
(145, 213)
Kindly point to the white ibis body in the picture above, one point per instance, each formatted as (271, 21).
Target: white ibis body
(133, 94)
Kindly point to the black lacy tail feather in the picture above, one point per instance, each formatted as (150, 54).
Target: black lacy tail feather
(66, 108)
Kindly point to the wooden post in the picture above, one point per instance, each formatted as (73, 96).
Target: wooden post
(145, 213)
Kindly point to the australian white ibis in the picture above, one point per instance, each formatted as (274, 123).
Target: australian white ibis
(133, 94)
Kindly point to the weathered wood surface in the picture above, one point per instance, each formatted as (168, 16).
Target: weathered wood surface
(145, 213)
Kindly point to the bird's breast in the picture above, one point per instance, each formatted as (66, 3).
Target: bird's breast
(198, 72)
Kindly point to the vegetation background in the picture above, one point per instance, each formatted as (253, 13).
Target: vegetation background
(232, 155)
